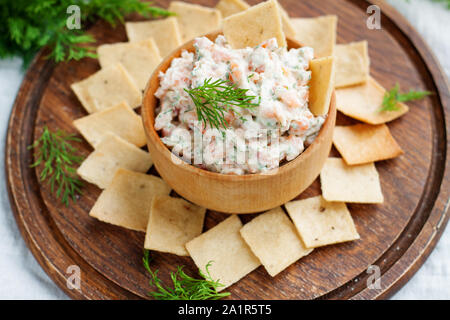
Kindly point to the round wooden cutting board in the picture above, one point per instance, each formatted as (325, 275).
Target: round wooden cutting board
(397, 236)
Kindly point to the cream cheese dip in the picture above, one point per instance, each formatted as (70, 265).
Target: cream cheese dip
(258, 139)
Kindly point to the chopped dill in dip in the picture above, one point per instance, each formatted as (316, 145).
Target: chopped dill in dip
(276, 129)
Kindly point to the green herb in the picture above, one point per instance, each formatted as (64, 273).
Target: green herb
(28, 25)
(446, 2)
(54, 151)
(213, 99)
(184, 286)
(392, 97)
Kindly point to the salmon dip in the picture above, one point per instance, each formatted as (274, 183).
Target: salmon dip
(275, 130)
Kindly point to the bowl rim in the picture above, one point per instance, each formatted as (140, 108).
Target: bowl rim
(149, 102)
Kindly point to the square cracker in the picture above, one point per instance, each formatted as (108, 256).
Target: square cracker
(106, 88)
(138, 58)
(172, 223)
(274, 240)
(254, 26)
(120, 120)
(231, 258)
(195, 20)
(321, 85)
(363, 103)
(363, 143)
(230, 7)
(318, 33)
(358, 184)
(352, 63)
(112, 153)
(127, 200)
(320, 222)
(165, 32)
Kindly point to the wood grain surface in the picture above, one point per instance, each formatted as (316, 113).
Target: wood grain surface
(397, 236)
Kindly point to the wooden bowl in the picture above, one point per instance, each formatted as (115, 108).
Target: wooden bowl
(234, 193)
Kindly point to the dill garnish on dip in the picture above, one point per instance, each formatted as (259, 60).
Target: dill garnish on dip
(234, 92)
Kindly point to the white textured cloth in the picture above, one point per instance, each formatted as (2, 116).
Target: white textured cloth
(432, 21)
(22, 278)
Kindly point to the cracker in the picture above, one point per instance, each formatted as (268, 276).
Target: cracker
(127, 200)
(120, 120)
(363, 103)
(230, 7)
(195, 20)
(223, 245)
(172, 223)
(286, 22)
(321, 85)
(322, 223)
(165, 32)
(358, 184)
(138, 58)
(318, 33)
(112, 153)
(274, 240)
(106, 88)
(352, 64)
(363, 143)
(254, 26)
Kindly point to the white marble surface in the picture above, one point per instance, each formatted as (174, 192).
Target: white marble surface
(22, 278)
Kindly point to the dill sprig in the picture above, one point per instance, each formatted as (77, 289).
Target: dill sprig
(445, 2)
(28, 25)
(184, 286)
(393, 96)
(54, 151)
(214, 99)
